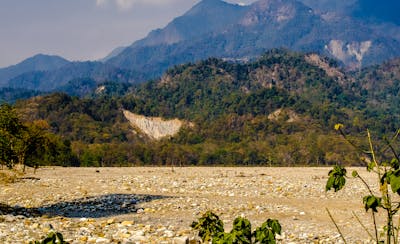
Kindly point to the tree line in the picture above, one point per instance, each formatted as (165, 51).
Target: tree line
(30, 143)
(230, 105)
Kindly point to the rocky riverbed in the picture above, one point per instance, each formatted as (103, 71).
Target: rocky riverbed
(157, 205)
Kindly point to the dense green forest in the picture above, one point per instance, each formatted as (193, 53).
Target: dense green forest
(31, 143)
(277, 110)
(11, 95)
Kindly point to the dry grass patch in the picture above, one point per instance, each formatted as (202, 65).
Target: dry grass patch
(8, 176)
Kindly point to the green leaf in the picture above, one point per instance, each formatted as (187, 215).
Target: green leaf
(242, 228)
(329, 183)
(370, 166)
(336, 178)
(275, 226)
(355, 174)
(395, 163)
(60, 237)
(394, 181)
(372, 202)
(266, 233)
(222, 238)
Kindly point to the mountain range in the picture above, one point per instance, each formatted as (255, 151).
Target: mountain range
(246, 31)
(357, 33)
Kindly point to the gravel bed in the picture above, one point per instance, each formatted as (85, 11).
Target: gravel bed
(157, 205)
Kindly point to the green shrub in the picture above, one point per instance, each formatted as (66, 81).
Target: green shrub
(211, 228)
(209, 225)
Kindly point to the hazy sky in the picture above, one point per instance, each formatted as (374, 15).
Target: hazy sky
(80, 29)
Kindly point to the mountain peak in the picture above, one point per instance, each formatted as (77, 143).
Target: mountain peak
(208, 16)
(40, 58)
(207, 6)
(210, 3)
(39, 62)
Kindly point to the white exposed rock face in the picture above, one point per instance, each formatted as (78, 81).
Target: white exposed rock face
(335, 47)
(100, 89)
(351, 54)
(290, 115)
(359, 49)
(155, 128)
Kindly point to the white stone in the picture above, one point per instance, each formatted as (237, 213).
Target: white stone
(102, 240)
(180, 240)
(169, 233)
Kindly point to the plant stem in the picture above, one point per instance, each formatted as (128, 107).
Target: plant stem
(388, 200)
(389, 227)
(389, 145)
(372, 151)
(373, 214)
(366, 185)
(375, 227)
(337, 227)
(383, 189)
(365, 228)
(396, 236)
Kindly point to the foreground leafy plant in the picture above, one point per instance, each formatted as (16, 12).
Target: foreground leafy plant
(211, 228)
(52, 238)
(388, 178)
(209, 225)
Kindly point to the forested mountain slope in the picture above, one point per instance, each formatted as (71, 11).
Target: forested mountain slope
(278, 110)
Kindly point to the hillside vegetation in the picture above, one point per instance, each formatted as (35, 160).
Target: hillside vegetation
(277, 110)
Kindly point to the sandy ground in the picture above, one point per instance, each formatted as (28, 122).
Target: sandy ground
(157, 205)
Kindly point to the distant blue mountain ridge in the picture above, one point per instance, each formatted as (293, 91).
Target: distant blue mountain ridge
(357, 33)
